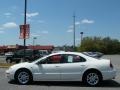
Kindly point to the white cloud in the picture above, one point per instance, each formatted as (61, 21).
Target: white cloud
(41, 21)
(7, 14)
(29, 15)
(9, 25)
(77, 23)
(70, 30)
(70, 27)
(35, 35)
(77, 39)
(29, 20)
(86, 21)
(1, 28)
(45, 32)
(1, 32)
(14, 7)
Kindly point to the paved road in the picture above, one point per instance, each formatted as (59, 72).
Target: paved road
(5, 85)
(106, 85)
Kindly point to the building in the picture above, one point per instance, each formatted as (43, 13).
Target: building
(49, 48)
(13, 48)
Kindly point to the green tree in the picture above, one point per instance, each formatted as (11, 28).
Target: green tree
(105, 45)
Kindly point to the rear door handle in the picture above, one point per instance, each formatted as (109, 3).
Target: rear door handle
(57, 66)
(83, 65)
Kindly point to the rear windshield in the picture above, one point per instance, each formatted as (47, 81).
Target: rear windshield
(93, 54)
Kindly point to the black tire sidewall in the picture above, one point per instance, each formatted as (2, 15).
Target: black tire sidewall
(18, 72)
(85, 79)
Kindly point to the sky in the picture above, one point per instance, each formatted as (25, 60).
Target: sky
(51, 21)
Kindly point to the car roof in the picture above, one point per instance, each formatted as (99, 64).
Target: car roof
(88, 58)
(75, 53)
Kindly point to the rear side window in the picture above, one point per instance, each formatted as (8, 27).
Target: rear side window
(72, 59)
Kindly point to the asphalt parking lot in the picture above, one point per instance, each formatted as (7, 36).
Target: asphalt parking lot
(109, 85)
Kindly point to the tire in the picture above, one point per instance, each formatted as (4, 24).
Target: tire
(23, 77)
(9, 60)
(92, 78)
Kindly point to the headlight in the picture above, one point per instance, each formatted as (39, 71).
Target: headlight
(9, 69)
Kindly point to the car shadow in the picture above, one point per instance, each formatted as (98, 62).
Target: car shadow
(108, 83)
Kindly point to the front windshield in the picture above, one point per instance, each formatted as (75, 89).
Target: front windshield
(39, 59)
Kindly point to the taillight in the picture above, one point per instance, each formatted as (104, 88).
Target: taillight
(111, 65)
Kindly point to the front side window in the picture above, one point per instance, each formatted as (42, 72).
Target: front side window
(55, 59)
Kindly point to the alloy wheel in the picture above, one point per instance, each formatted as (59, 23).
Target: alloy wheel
(23, 77)
(92, 79)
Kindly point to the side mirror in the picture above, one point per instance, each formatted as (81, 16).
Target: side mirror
(38, 63)
(41, 62)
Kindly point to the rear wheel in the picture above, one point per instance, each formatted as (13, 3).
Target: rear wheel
(92, 78)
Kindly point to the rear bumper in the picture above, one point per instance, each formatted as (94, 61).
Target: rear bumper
(108, 75)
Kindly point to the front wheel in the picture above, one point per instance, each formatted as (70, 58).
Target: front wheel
(92, 78)
(23, 77)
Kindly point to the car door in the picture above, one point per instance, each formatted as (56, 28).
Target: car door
(72, 67)
(49, 69)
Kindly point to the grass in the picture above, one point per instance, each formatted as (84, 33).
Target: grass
(5, 65)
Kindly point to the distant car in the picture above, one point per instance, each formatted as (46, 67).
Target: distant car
(2, 54)
(30, 55)
(57, 51)
(94, 54)
(9, 53)
(43, 53)
(63, 66)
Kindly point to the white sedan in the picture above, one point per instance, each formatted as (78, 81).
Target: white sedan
(63, 66)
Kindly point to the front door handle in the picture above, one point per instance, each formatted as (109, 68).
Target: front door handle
(83, 65)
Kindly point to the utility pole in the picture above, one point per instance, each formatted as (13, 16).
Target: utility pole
(25, 11)
(74, 32)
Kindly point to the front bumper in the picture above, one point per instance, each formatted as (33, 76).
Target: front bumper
(108, 75)
(10, 75)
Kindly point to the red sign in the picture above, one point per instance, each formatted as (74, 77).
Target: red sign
(24, 31)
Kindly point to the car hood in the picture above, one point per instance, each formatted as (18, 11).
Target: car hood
(21, 65)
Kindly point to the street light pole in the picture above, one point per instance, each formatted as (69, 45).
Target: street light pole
(34, 38)
(74, 32)
(81, 37)
(25, 11)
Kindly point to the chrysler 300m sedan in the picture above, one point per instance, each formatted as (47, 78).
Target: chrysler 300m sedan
(63, 66)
